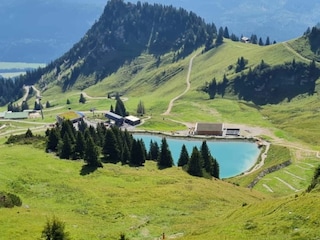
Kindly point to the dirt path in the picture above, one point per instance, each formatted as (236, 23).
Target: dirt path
(287, 46)
(185, 91)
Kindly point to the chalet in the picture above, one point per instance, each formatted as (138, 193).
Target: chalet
(245, 40)
(216, 129)
(71, 115)
(117, 119)
(132, 120)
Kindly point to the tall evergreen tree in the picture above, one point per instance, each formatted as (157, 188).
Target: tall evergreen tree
(206, 157)
(184, 156)
(65, 150)
(219, 39)
(194, 165)
(111, 150)
(261, 42)
(82, 99)
(267, 41)
(120, 108)
(226, 33)
(137, 153)
(79, 148)
(153, 151)
(140, 108)
(53, 140)
(165, 158)
(91, 155)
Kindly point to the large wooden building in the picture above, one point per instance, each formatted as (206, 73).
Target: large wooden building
(216, 129)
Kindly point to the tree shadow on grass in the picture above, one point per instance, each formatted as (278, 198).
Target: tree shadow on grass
(87, 169)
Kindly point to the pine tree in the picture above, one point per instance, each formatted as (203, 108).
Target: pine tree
(140, 108)
(48, 104)
(120, 108)
(268, 41)
(215, 169)
(184, 157)
(111, 150)
(206, 157)
(82, 99)
(91, 155)
(65, 150)
(53, 140)
(137, 153)
(153, 151)
(261, 42)
(219, 39)
(226, 33)
(165, 158)
(79, 146)
(194, 165)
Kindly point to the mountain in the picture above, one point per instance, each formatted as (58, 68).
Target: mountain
(125, 31)
(41, 31)
(281, 20)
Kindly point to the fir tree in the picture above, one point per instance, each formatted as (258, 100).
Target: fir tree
(79, 148)
(140, 108)
(184, 157)
(53, 140)
(153, 151)
(194, 165)
(111, 150)
(91, 155)
(65, 150)
(82, 99)
(165, 158)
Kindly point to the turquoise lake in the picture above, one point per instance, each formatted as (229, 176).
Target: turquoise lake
(234, 157)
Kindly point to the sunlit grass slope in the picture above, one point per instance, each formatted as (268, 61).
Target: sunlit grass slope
(142, 202)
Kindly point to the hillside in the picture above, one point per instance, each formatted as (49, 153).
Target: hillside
(142, 202)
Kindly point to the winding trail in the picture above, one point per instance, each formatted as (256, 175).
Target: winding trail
(167, 112)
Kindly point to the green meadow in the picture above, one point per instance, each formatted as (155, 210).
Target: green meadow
(145, 202)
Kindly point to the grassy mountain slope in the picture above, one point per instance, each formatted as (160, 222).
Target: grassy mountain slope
(142, 203)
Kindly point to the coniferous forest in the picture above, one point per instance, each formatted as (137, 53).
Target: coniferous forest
(112, 145)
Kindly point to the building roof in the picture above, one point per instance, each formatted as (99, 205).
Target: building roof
(16, 115)
(71, 115)
(2, 114)
(113, 115)
(214, 127)
(132, 118)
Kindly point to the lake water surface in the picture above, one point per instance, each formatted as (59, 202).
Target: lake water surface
(234, 157)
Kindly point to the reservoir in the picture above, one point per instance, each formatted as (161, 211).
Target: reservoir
(234, 157)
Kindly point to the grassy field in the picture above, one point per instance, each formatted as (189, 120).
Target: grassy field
(141, 202)
(145, 202)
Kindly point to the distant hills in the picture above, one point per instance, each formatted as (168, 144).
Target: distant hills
(41, 31)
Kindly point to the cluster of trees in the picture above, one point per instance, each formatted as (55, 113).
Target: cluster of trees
(200, 163)
(272, 84)
(265, 84)
(10, 90)
(97, 145)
